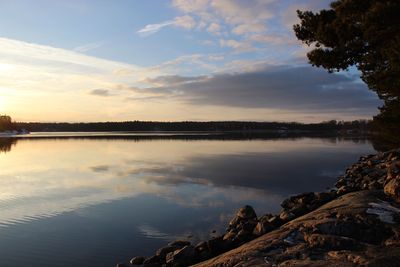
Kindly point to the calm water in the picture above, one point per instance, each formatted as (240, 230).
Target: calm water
(95, 202)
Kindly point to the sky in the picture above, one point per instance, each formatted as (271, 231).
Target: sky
(160, 60)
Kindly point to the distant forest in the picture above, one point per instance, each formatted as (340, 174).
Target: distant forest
(6, 124)
(212, 126)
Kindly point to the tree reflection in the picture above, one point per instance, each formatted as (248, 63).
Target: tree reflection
(6, 144)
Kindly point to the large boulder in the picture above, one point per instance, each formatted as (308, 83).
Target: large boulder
(247, 212)
(181, 257)
(244, 215)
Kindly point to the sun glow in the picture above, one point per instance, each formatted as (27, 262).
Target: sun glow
(5, 67)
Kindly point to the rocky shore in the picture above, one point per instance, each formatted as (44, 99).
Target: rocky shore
(355, 224)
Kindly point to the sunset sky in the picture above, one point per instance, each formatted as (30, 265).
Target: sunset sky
(102, 60)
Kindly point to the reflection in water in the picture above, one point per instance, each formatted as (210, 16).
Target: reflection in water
(6, 144)
(94, 202)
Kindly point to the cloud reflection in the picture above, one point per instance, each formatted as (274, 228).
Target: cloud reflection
(48, 177)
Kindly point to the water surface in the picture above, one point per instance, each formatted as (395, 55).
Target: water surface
(95, 202)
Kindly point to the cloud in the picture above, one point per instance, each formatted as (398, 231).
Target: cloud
(263, 26)
(252, 25)
(153, 28)
(212, 15)
(173, 80)
(100, 92)
(191, 5)
(36, 54)
(214, 28)
(184, 64)
(237, 12)
(207, 88)
(216, 57)
(88, 47)
(238, 46)
(241, 18)
(100, 168)
(186, 22)
(232, 12)
(276, 39)
(304, 89)
(263, 170)
(249, 28)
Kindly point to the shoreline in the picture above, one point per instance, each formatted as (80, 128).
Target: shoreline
(357, 223)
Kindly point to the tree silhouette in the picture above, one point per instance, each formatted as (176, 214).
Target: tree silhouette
(364, 34)
(6, 123)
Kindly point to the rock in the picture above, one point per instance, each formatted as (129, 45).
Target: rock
(343, 190)
(153, 261)
(245, 221)
(330, 242)
(347, 255)
(137, 260)
(342, 225)
(248, 226)
(155, 264)
(243, 236)
(216, 245)
(201, 246)
(286, 216)
(162, 252)
(392, 189)
(294, 238)
(202, 251)
(179, 243)
(301, 204)
(230, 235)
(275, 221)
(264, 225)
(246, 212)
(182, 257)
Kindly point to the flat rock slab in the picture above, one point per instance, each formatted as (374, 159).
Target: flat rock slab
(359, 228)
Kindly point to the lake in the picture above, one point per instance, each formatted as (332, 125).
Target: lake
(101, 200)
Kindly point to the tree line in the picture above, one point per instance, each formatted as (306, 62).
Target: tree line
(210, 126)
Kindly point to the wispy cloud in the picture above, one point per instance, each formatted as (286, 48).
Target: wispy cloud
(185, 22)
(153, 28)
(88, 47)
(100, 92)
(238, 46)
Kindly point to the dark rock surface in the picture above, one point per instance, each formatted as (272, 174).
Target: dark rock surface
(358, 223)
(137, 260)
